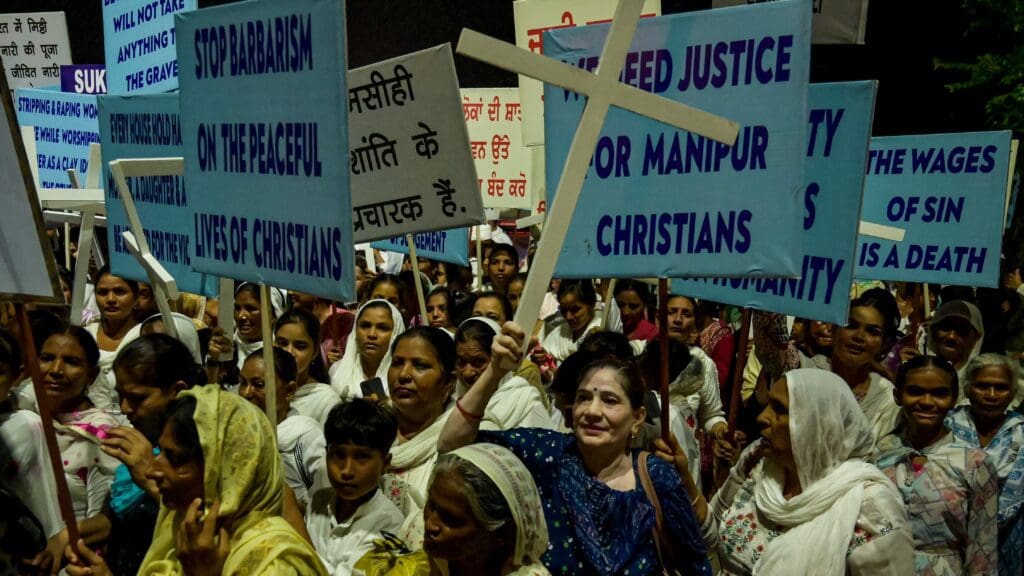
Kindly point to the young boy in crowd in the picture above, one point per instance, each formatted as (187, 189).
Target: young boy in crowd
(344, 519)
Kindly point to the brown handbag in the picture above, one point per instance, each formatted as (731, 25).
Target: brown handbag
(662, 544)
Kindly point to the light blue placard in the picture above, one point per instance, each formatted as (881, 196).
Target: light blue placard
(139, 44)
(148, 127)
(264, 114)
(64, 125)
(450, 246)
(840, 118)
(663, 202)
(948, 192)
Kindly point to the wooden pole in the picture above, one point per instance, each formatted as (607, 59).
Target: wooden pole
(663, 341)
(927, 304)
(270, 376)
(67, 511)
(479, 260)
(226, 312)
(608, 303)
(735, 397)
(416, 278)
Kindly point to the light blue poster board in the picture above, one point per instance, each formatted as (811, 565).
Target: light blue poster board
(264, 127)
(65, 125)
(840, 117)
(147, 126)
(948, 193)
(450, 246)
(663, 202)
(139, 44)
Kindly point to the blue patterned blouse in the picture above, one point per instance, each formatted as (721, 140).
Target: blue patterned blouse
(594, 529)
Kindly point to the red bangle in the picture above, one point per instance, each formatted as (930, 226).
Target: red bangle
(468, 415)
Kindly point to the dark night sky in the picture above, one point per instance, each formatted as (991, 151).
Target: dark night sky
(904, 38)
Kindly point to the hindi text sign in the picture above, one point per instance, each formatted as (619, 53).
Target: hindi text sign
(411, 168)
(33, 47)
(264, 127)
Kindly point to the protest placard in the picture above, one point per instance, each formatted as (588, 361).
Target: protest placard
(661, 202)
(840, 117)
(28, 270)
(495, 122)
(532, 19)
(84, 79)
(835, 21)
(945, 191)
(33, 46)
(139, 43)
(442, 245)
(265, 133)
(64, 125)
(148, 126)
(411, 168)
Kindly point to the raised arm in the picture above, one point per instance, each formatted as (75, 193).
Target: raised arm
(464, 422)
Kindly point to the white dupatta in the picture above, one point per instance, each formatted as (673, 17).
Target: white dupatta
(346, 374)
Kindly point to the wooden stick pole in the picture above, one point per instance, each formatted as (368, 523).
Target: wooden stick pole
(479, 260)
(608, 303)
(663, 342)
(735, 397)
(67, 511)
(226, 312)
(416, 278)
(927, 303)
(270, 377)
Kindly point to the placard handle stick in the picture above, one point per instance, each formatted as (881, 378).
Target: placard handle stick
(67, 511)
(416, 278)
(73, 177)
(608, 303)
(480, 260)
(735, 397)
(663, 342)
(270, 375)
(927, 303)
(85, 248)
(226, 312)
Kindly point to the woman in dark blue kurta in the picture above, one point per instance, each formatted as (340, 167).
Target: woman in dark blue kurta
(594, 528)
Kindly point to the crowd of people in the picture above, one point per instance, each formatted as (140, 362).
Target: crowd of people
(454, 441)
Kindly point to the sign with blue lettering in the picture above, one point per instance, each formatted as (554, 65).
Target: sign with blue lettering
(147, 126)
(837, 147)
(663, 202)
(84, 79)
(947, 191)
(450, 246)
(139, 43)
(264, 116)
(64, 125)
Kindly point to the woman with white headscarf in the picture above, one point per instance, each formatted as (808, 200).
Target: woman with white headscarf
(955, 334)
(186, 329)
(803, 499)
(378, 324)
(517, 403)
(483, 516)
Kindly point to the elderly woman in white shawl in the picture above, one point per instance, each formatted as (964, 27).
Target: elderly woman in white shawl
(378, 324)
(484, 516)
(955, 334)
(517, 404)
(803, 499)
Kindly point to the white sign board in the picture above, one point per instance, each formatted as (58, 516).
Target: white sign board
(495, 123)
(410, 168)
(33, 47)
(533, 18)
(835, 21)
(27, 267)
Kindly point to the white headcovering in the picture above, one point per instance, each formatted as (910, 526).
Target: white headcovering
(347, 373)
(517, 486)
(187, 333)
(830, 438)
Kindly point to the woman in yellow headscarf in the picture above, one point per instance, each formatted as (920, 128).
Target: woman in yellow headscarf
(221, 489)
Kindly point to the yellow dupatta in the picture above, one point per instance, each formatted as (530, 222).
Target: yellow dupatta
(243, 470)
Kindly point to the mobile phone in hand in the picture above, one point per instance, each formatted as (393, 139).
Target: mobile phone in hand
(371, 387)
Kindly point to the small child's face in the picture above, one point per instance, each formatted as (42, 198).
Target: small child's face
(354, 469)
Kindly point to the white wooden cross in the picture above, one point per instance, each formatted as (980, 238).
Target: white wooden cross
(602, 90)
(164, 286)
